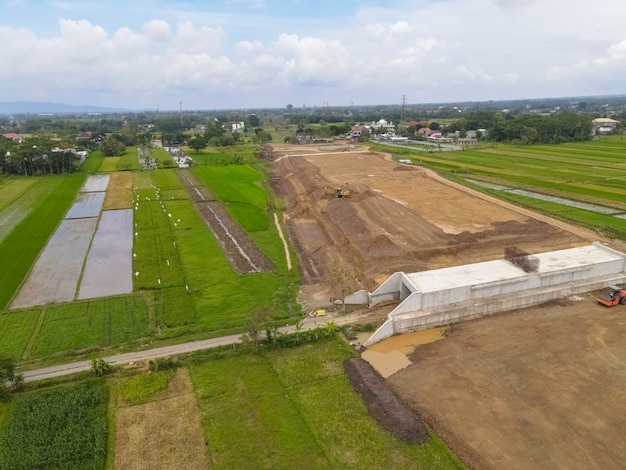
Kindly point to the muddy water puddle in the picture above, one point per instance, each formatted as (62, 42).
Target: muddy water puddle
(391, 355)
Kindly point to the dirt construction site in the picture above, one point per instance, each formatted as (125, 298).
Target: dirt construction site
(538, 388)
(396, 218)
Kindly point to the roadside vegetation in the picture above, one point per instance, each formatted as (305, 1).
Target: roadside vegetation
(269, 407)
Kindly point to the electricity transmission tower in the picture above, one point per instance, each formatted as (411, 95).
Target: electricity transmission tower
(404, 101)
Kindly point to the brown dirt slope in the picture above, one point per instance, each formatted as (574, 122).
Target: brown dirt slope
(391, 412)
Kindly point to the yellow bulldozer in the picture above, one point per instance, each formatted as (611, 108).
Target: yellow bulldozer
(339, 190)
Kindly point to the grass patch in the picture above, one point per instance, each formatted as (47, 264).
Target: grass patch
(13, 187)
(236, 154)
(175, 307)
(240, 189)
(223, 298)
(285, 407)
(16, 329)
(20, 248)
(99, 323)
(93, 162)
(58, 428)
(141, 388)
(109, 165)
(128, 160)
(163, 158)
(19, 205)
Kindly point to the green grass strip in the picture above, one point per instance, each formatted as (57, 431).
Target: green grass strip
(16, 328)
(72, 327)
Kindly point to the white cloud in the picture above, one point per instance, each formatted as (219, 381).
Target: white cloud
(157, 30)
(443, 50)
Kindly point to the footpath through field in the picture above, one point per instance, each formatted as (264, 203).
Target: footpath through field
(308, 323)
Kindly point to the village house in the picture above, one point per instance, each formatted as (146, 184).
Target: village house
(234, 126)
(357, 131)
(13, 136)
(604, 125)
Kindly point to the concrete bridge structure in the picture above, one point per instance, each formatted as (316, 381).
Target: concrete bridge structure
(444, 296)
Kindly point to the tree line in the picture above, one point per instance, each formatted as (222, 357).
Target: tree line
(37, 156)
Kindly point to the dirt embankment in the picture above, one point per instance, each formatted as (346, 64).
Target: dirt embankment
(391, 412)
(397, 218)
(242, 253)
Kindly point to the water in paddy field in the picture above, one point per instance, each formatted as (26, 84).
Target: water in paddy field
(391, 355)
(108, 269)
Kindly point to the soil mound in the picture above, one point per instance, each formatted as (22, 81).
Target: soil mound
(391, 412)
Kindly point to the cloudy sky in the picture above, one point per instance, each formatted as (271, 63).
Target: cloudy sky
(209, 54)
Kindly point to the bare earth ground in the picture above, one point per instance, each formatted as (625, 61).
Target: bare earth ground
(163, 434)
(119, 193)
(397, 218)
(537, 388)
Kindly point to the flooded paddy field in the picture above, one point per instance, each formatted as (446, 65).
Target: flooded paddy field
(108, 270)
(86, 205)
(95, 183)
(57, 271)
(79, 261)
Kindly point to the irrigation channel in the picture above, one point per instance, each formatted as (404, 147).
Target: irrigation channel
(558, 200)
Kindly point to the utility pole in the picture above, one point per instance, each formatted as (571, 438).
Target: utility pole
(180, 103)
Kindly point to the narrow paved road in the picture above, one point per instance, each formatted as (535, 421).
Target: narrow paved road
(308, 323)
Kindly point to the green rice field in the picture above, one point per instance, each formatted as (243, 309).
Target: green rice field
(128, 160)
(109, 164)
(274, 409)
(290, 406)
(20, 247)
(240, 189)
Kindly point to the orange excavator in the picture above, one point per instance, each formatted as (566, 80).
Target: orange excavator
(614, 295)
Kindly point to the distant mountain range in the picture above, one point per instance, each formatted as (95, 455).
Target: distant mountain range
(39, 107)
